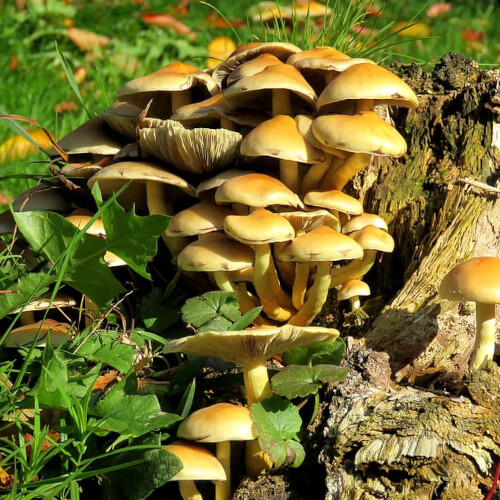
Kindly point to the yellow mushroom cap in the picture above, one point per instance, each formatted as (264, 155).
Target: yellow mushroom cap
(334, 199)
(253, 66)
(26, 334)
(353, 288)
(217, 423)
(373, 238)
(476, 279)
(360, 221)
(198, 463)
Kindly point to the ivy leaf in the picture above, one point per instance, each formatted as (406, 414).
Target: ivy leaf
(320, 353)
(52, 235)
(158, 466)
(131, 237)
(215, 311)
(126, 412)
(300, 380)
(277, 421)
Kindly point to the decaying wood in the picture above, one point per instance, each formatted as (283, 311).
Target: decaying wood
(442, 203)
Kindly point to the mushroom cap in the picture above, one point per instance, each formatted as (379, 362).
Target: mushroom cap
(282, 50)
(81, 170)
(353, 288)
(476, 279)
(302, 222)
(365, 219)
(217, 423)
(364, 132)
(279, 137)
(319, 52)
(94, 137)
(252, 66)
(198, 151)
(42, 197)
(334, 199)
(367, 81)
(321, 244)
(215, 252)
(255, 91)
(198, 463)
(242, 346)
(256, 190)
(373, 238)
(219, 179)
(123, 118)
(26, 334)
(258, 228)
(44, 302)
(201, 218)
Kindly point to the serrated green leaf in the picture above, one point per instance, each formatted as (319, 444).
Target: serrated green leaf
(216, 311)
(128, 413)
(158, 467)
(320, 353)
(53, 236)
(119, 356)
(330, 374)
(296, 453)
(276, 421)
(157, 313)
(295, 381)
(133, 238)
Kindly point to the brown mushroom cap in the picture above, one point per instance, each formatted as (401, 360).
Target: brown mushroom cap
(365, 219)
(218, 179)
(476, 279)
(353, 288)
(26, 334)
(373, 238)
(219, 422)
(334, 200)
(364, 132)
(366, 81)
(123, 118)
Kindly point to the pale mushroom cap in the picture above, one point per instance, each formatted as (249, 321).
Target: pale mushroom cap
(256, 190)
(219, 179)
(259, 227)
(123, 118)
(253, 66)
(198, 463)
(243, 53)
(334, 200)
(364, 132)
(255, 90)
(373, 238)
(215, 252)
(44, 302)
(93, 137)
(199, 219)
(367, 81)
(81, 170)
(25, 335)
(217, 423)
(476, 279)
(242, 346)
(365, 219)
(353, 288)
(280, 138)
(305, 221)
(320, 52)
(321, 244)
(329, 64)
(81, 220)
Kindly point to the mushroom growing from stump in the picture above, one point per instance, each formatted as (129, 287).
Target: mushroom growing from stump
(477, 280)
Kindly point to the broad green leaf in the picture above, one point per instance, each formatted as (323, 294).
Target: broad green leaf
(119, 356)
(128, 413)
(53, 236)
(131, 237)
(158, 467)
(320, 353)
(300, 380)
(157, 313)
(212, 311)
(28, 287)
(276, 421)
(296, 453)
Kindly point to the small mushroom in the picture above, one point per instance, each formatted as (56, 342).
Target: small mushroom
(478, 280)
(26, 334)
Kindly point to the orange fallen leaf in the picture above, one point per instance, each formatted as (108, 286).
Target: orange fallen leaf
(169, 22)
(219, 22)
(18, 147)
(65, 107)
(86, 40)
(80, 74)
(6, 479)
(104, 380)
(14, 62)
(363, 30)
(4, 201)
(413, 30)
(219, 49)
(470, 35)
(438, 9)
(53, 435)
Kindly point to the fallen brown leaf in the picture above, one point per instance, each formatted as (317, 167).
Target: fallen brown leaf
(86, 40)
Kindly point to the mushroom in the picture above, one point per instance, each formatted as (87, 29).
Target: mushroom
(220, 423)
(478, 280)
(198, 464)
(27, 334)
(351, 290)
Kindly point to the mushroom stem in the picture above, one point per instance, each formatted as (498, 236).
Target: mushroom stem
(316, 172)
(256, 381)
(300, 284)
(290, 175)
(281, 102)
(180, 98)
(223, 454)
(354, 269)
(27, 318)
(355, 303)
(223, 282)
(226, 123)
(484, 346)
(338, 175)
(189, 491)
(267, 284)
(364, 105)
(158, 204)
(256, 461)
(317, 296)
